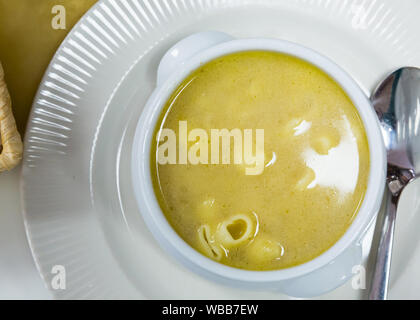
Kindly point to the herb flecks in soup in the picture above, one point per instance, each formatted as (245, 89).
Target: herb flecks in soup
(316, 162)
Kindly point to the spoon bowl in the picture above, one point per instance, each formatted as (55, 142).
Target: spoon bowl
(397, 104)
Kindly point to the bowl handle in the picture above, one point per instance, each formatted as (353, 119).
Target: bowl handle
(326, 278)
(183, 50)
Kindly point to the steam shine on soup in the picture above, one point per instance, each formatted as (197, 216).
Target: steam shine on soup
(295, 171)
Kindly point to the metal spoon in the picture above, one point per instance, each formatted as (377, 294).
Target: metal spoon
(397, 104)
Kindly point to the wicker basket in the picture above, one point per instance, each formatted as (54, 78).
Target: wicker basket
(10, 141)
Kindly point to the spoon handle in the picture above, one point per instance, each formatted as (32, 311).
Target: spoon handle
(380, 279)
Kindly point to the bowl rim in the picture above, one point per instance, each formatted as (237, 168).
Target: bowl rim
(142, 180)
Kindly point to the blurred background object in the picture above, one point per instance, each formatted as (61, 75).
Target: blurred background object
(28, 41)
(10, 140)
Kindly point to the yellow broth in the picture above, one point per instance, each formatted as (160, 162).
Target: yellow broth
(316, 162)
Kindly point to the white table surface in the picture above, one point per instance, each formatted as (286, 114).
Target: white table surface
(19, 278)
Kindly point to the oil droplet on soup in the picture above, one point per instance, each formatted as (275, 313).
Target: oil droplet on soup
(316, 162)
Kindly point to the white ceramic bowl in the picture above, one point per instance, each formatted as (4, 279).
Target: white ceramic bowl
(315, 277)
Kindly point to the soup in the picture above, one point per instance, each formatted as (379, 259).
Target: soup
(315, 161)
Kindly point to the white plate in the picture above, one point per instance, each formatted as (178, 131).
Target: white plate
(79, 207)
